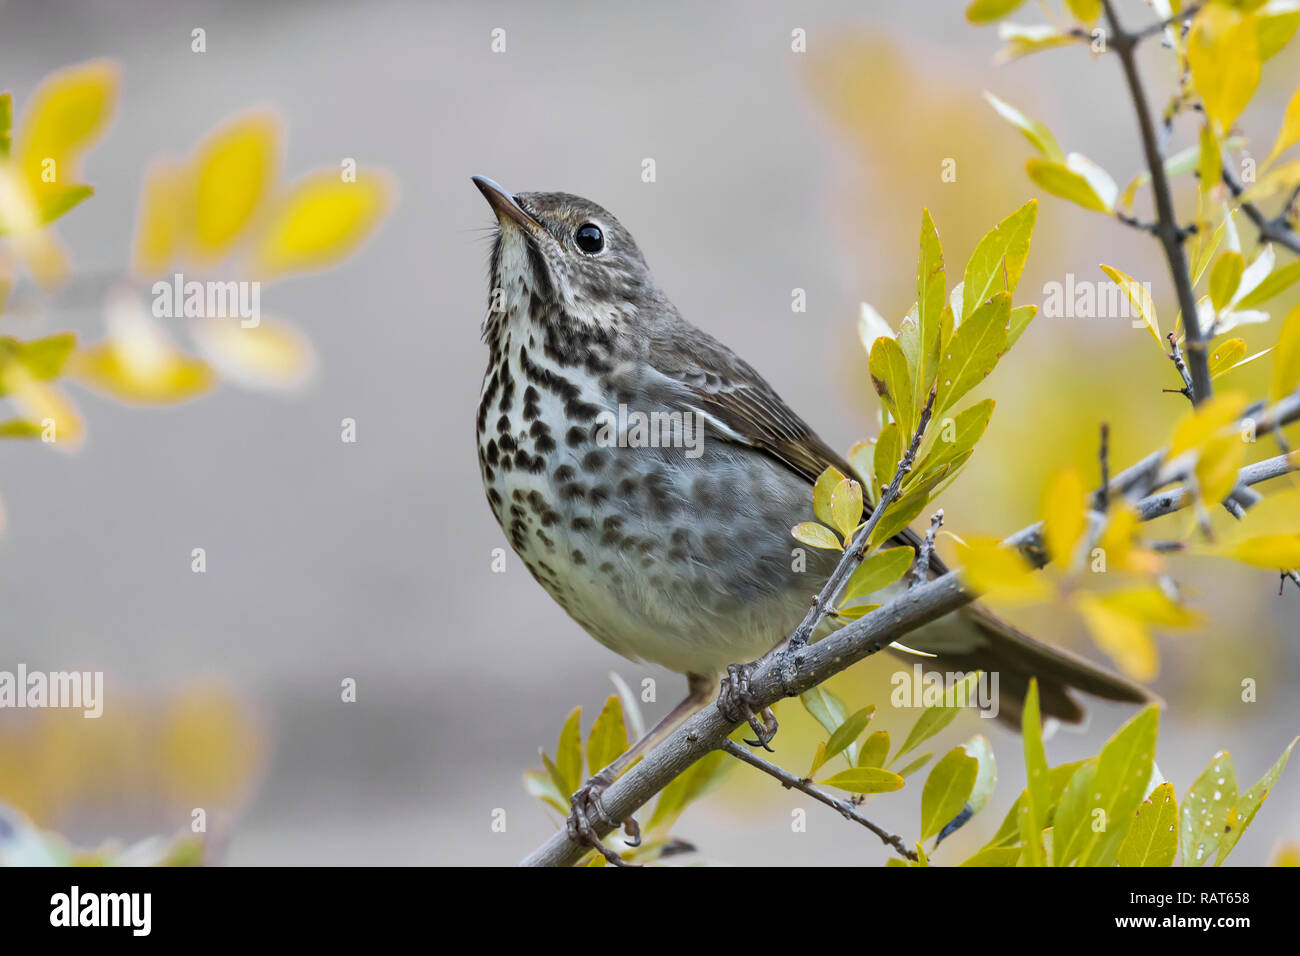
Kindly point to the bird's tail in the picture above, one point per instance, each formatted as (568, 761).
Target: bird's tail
(974, 638)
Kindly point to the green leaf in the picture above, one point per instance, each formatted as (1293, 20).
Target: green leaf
(1274, 28)
(946, 790)
(889, 451)
(846, 507)
(879, 571)
(1205, 808)
(847, 733)
(1152, 839)
(1244, 812)
(973, 351)
(1038, 135)
(1037, 790)
(938, 716)
(827, 709)
(543, 788)
(994, 856)
(988, 11)
(915, 765)
(1123, 771)
(557, 778)
(1225, 276)
(6, 122)
(698, 780)
(898, 516)
(874, 750)
(893, 383)
(608, 737)
(1072, 821)
(1060, 180)
(822, 491)
(953, 439)
(855, 611)
(568, 754)
(1021, 316)
(816, 536)
(1057, 778)
(818, 761)
(44, 358)
(1273, 285)
(998, 260)
(865, 780)
(930, 300)
(53, 200)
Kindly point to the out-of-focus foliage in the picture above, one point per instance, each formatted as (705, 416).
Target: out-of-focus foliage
(24, 844)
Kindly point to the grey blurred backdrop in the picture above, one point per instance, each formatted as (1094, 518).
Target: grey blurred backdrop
(328, 560)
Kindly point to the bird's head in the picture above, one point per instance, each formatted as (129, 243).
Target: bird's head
(564, 251)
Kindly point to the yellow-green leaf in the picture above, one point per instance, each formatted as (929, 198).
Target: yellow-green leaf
(988, 11)
(846, 506)
(874, 749)
(1122, 775)
(847, 733)
(878, 572)
(1205, 809)
(816, 536)
(1225, 276)
(1038, 135)
(893, 383)
(1060, 180)
(889, 451)
(1226, 355)
(973, 351)
(1274, 284)
(1038, 789)
(608, 738)
(1275, 24)
(826, 484)
(1289, 134)
(865, 780)
(998, 260)
(1245, 809)
(938, 716)
(930, 300)
(956, 436)
(946, 790)
(1140, 298)
(1152, 838)
(1286, 358)
(568, 754)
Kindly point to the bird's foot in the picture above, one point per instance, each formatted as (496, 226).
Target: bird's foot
(736, 703)
(588, 812)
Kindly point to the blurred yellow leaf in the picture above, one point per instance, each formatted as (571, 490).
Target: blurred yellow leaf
(270, 355)
(1138, 295)
(1117, 542)
(160, 225)
(1064, 518)
(1275, 24)
(44, 405)
(999, 573)
(209, 747)
(1033, 38)
(1086, 10)
(322, 220)
(1286, 358)
(1268, 551)
(1223, 53)
(1217, 466)
(1289, 134)
(1281, 179)
(64, 117)
(987, 11)
(1205, 421)
(234, 171)
(1125, 639)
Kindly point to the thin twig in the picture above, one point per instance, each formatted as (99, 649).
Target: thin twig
(1176, 356)
(1103, 456)
(857, 549)
(1270, 230)
(1167, 231)
(1156, 28)
(790, 781)
(921, 570)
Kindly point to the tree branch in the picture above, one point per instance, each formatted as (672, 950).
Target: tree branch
(1166, 229)
(1270, 230)
(709, 730)
(789, 780)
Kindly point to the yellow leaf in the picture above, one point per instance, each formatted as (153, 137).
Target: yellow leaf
(1223, 53)
(1124, 638)
(1064, 519)
(1286, 358)
(1118, 547)
(322, 220)
(1060, 180)
(1150, 605)
(1140, 298)
(816, 536)
(1202, 423)
(1226, 356)
(270, 355)
(159, 222)
(234, 170)
(999, 573)
(1289, 134)
(1217, 467)
(44, 405)
(822, 489)
(893, 383)
(1225, 276)
(1281, 179)
(846, 506)
(1268, 551)
(65, 115)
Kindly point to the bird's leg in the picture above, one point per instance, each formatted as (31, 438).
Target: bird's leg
(588, 811)
(736, 704)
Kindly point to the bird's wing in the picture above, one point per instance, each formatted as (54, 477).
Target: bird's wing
(745, 409)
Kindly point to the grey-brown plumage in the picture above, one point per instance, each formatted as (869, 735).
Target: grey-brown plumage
(678, 556)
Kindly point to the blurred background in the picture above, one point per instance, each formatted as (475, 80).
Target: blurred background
(371, 560)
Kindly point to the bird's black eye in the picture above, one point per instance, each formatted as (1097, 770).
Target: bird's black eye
(589, 238)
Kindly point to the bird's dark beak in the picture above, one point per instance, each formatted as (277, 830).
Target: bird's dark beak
(505, 205)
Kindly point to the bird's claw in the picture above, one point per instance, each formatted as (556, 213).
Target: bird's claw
(736, 703)
(587, 806)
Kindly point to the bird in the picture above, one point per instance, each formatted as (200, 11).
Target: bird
(679, 552)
